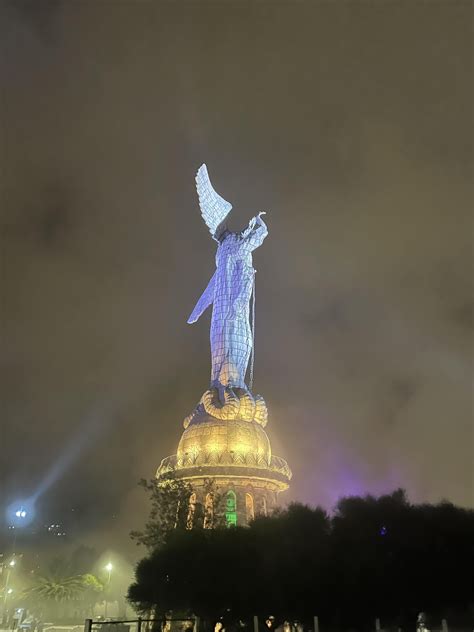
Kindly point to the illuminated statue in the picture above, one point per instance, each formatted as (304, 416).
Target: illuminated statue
(224, 440)
(229, 292)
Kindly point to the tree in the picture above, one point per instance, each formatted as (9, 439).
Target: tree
(56, 589)
(92, 593)
(376, 557)
(170, 511)
(395, 559)
(203, 571)
(169, 508)
(60, 596)
(244, 570)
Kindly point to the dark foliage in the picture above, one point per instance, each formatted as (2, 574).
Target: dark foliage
(170, 511)
(376, 557)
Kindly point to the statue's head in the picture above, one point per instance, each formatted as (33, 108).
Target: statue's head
(221, 231)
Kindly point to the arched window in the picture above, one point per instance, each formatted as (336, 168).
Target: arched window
(191, 510)
(231, 508)
(209, 511)
(249, 508)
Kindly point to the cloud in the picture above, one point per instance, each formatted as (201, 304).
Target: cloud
(361, 158)
(399, 393)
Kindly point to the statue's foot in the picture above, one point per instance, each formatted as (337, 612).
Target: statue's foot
(228, 409)
(231, 403)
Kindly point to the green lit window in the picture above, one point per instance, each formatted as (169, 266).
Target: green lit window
(231, 509)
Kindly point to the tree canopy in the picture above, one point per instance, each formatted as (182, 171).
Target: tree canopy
(169, 511)
(374, 557)
(59, 595)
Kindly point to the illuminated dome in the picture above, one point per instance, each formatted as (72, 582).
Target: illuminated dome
(209, 437)
(230, 449)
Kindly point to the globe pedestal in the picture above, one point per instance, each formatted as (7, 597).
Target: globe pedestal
(230, 448)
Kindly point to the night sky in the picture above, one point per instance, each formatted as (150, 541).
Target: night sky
(350, 124)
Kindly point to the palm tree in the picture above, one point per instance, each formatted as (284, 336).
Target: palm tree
(56, 589)
(57, 594)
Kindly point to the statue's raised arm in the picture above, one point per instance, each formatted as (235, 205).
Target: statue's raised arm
(256, 231)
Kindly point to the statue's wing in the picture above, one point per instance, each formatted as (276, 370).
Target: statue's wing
(214, 209)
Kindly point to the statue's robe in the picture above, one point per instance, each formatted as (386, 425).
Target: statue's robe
(229, 291)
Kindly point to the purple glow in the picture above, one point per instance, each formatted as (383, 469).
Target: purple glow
(341, 470)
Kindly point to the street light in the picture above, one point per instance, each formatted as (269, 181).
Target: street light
(12, 563)
(20, 513)
(108, 568)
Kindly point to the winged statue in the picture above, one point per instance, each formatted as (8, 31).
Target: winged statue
(230, 289)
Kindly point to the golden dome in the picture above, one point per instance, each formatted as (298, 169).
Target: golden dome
(209, 437)
(231, 449)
